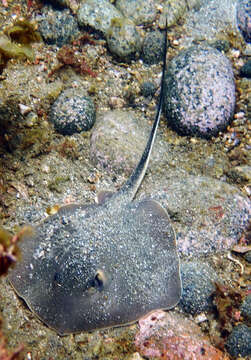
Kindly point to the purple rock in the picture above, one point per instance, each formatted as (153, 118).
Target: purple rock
(200, 92)
(244, 18)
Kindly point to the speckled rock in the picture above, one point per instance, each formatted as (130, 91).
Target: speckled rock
(72, 112)
(97, 14)
(57, 27)
(123, 39)
(239, 341)
(245, 70)
(139, 11)
(198, 287)
(244, 18)
(208, 20)
(165, 335)
(246, 308)
(208, 215)
(152, 49)
(200, 92)
(172, 11)
(121, 131)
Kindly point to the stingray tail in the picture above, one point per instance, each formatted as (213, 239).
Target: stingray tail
(130, 188)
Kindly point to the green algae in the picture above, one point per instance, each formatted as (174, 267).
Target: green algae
(16, 40)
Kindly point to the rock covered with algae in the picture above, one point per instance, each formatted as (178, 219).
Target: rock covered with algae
(15, 41)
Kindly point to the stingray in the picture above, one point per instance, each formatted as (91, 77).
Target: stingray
(94, 266)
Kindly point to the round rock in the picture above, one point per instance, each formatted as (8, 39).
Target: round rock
(148, 88)
(139, 11)
(97, 14)
(244, 18)
(245, 70)
(239, 341)
(118, 140)
(58, 27)
(152, 50)
(197, 280)
(72, 113)
(246, 308)
(123, 39)
(200, 92)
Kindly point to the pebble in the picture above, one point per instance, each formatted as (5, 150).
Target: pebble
(72, 113)
(221, 45)
(123, 39)
(152, 49)
(240, 174)
(168, 335)
(97, 14)
(139, 11)
(198, 286)
(245, 70)
(114, 135)
(246, 307)
(239, 341)
(57, 27)
(247, 256)
(244, 18)
(200, 92)
(148, 88)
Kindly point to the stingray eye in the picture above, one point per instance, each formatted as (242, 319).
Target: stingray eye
(99, 280)
(57, 279)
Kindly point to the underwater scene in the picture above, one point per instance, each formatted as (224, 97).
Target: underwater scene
(125, 179)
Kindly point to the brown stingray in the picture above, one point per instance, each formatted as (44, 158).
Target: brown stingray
(108, 264)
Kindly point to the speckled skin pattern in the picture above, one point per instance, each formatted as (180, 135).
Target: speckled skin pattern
(132, 245)
(200, 92)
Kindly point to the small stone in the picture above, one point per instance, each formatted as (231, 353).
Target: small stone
(245, 70)
(221, 45)
(246, 308)
(24, 109)
(239, 341)
(72, 113)
(148, 88)
(244, 19)
(97, 14)
(58, 27)
(139, 11)
(247, 256)
(197, 279)
(240, 174)
(200, 92)
(31, 119)
(123, 39)
(152, 50)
